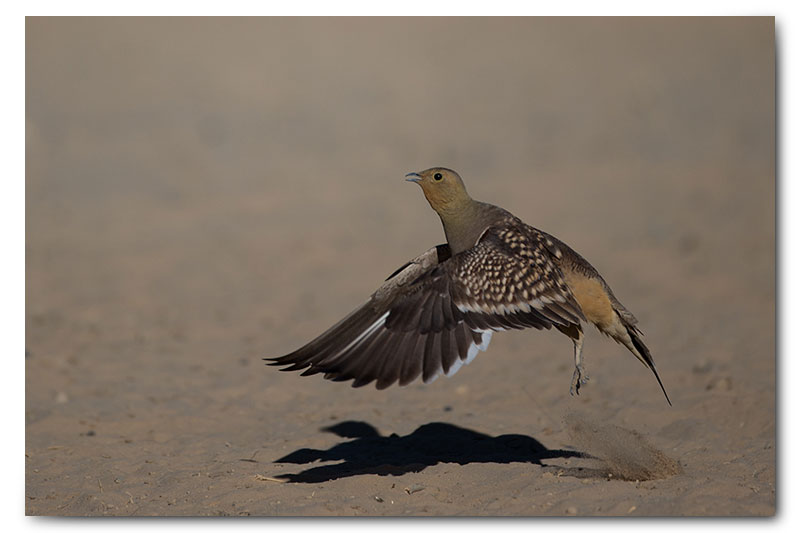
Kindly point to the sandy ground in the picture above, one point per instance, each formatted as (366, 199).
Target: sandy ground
(202, 193)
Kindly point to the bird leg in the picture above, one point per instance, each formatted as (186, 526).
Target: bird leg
(579, 377)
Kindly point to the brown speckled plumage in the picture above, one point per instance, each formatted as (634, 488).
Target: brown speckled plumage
(436, 312)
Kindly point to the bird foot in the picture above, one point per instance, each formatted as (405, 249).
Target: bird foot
(579, 378)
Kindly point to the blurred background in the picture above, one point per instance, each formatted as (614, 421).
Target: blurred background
(203, 192)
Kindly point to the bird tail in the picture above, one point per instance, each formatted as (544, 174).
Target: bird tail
(643, 354)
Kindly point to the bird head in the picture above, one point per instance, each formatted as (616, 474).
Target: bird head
(442, 187)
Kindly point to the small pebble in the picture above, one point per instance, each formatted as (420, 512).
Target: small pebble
(702, 367)
(414, 488)
(723, 384)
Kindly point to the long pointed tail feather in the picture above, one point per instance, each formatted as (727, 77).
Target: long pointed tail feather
(644, 355)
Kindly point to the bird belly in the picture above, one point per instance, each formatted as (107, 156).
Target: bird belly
(593, 299)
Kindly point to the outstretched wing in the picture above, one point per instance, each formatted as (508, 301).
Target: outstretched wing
(409, 326)
(435, 313)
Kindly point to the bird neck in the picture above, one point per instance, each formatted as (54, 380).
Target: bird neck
(465, 224)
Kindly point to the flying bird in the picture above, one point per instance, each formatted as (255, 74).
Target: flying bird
(436, 312)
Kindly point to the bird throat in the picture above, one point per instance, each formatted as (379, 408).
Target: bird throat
(463, 226)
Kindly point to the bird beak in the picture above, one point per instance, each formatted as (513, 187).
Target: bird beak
(413, 176)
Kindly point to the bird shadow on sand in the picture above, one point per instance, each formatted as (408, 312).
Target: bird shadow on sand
(367, 452)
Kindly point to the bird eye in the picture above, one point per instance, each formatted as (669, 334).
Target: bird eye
(437, 176)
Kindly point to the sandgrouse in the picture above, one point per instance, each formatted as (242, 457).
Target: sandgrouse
(436, 312)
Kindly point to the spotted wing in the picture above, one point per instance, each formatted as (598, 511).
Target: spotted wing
(510, 280)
